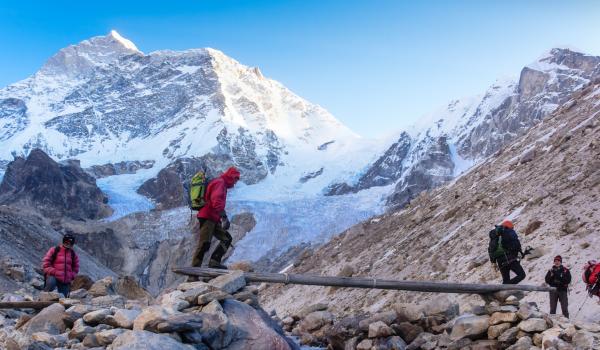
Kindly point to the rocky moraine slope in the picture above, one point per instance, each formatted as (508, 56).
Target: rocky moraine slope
(547, 182)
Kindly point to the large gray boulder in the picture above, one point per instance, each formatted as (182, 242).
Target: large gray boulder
(253, 329)
(50, 320)
(469, 326)
(144, 340)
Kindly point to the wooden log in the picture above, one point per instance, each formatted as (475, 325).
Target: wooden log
(25, 304)
(365, 282)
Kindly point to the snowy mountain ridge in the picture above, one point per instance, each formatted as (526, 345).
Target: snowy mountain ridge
(450, 140)
(104, 101)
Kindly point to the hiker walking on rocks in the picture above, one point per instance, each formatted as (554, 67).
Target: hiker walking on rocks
(560, 278)
(61, 266)
(591, 277)
(504, 250)
(213, 219)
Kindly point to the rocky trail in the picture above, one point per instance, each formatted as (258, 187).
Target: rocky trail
(224, 313)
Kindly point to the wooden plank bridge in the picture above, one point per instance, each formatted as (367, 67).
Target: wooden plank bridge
(331, 281)
(365, 282)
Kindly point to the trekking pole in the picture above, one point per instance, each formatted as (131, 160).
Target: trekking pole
(581, 307)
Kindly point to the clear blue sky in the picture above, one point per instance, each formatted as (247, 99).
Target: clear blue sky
(376, 65)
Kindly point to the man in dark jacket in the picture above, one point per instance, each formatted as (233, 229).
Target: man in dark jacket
(504, 250)
(560, 278)
(213, 219)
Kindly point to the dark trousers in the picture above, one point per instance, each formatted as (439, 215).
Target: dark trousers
(562, 296)
(514, 266)
(208, 229)
(52, 283)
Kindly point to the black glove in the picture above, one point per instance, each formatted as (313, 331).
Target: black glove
(225, 223)
(593, 289)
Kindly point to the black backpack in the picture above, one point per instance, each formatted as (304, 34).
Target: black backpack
(55, 254)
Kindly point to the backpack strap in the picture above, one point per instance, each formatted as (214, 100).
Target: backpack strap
(54, 254)
(72, 259)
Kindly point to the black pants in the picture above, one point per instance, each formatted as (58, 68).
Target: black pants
(52, 283)
(562, 296)
(514, 266)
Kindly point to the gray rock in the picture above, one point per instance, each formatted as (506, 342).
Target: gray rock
(151, 316)
(246, 322)
(230, 282)
(533, 325)
(108, 301)
(509, 336)
(102, 287)
(53, 341)
(191, 295)
(95, 317)
(469, 326)
(80, 330)
(497, 330)
(50, 320)
(395, 343)
(68, 302)
(144, 340)
(129, 288)
(365, 344)
(524, 343)
(408, 312)
(380, 330)
(527, 310)
(108, 336)
(310, 308)
(76, 312)
(407, 331)
(124, 318)
(78, 294)
(583, 340)
(214, 307)
(184, 287)
(181, 323)
(388, 318)
(50, 296)
(210, 296)
(174, 300)
(503, 317)
(316, 320)
(443, 306)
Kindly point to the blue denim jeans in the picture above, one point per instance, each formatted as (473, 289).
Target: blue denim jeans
(52, 283)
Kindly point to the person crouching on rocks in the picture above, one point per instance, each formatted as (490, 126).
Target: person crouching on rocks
(560, 278)
(213, 220)
(504, 250)
(61, 266)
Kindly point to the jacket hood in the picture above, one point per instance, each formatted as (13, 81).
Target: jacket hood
(230, 176)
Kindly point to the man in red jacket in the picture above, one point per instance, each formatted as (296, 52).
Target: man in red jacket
(61, 265)
(213, 219)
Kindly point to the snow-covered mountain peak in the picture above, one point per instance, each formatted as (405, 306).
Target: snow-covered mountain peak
(125, 42)
(80, 59)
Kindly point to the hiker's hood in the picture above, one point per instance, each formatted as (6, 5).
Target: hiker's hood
(230, 176)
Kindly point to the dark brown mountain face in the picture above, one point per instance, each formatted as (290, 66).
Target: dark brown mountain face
(55, 190)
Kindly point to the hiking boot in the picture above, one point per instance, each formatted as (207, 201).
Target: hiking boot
(213, 264)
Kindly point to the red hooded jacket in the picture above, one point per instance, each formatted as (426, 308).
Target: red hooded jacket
(63, 268)
(216, 195)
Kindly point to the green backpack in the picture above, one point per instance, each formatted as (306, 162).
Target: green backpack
(499, 249)
(198, 186)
